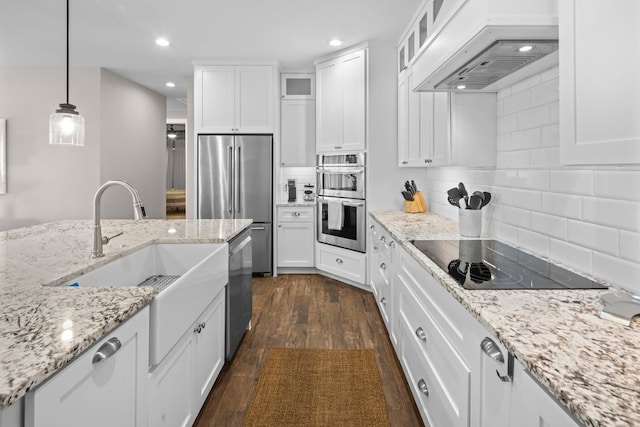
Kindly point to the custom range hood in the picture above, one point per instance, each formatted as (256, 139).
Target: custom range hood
(479, 46)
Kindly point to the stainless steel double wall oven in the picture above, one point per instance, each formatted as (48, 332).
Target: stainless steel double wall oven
(341, 180)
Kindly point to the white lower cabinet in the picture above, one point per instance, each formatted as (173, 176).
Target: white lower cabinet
(382, 265)
(179, 385)
(296, 236)
(350, 265)
(104, 386)
(458, 373)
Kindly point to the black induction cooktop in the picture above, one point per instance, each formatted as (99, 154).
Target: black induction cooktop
(489, 264)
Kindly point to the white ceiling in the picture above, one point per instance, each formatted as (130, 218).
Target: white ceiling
(119, 35)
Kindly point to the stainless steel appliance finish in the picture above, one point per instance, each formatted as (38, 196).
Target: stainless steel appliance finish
(235, 180)
(490, 264)
(239, 291)
(341, 175)
(352, 234)
(495, 62)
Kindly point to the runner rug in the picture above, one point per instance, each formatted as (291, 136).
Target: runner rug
(304, 387)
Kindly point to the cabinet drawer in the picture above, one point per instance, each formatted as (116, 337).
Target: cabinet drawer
(438, 378)
(344, 263)
(295, 214)
(445, 311)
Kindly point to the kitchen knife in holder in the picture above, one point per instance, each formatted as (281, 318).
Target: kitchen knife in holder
(416, 205)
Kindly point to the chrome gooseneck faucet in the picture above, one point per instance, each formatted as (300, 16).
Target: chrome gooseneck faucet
(138, 212)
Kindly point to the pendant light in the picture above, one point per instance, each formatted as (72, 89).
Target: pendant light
(66, 125)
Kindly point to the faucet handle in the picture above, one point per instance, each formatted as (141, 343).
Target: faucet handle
(106, 240)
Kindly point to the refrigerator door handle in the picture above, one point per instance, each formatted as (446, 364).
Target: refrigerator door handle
(230, 179)
(238, 175)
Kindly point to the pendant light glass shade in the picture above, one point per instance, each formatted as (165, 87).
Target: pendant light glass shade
(66, 125)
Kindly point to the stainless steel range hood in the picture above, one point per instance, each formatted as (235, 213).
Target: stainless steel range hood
(495, 62)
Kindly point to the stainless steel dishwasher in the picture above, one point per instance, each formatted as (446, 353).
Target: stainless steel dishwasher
(239, 291)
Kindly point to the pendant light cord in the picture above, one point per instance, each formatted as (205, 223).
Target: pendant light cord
(67, 51)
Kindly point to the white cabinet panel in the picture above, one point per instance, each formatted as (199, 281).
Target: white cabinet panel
(341, 103)
(298, 133)
(230, 99)
(599, 102)
(348, 264)
(111, 392)
(295, 244)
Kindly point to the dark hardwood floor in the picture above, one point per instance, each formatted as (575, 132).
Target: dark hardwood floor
(307, 311)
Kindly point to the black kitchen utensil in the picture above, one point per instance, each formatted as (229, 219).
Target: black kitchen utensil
(486, 199)
(464, 194)
(407, 196)
(453, 201)
(414, 186)
(479, 272)
(408, 187)
(453, 271)
(475, 202)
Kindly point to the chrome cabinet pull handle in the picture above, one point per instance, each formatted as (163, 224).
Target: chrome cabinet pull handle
(383, 301)
(383, 266)
(106, 350)
(372, 227)
(420, 333)
(422, 386)
(392, 244)
(382, 239)
(492, 350)
(339, 261)
(295, 213)
(404, 162)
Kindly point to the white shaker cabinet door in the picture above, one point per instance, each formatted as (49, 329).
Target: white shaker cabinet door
(98, 391)
(298, 139)
(353, 100)
(254, 99)
(216, 99)
(296, 244)
(599, 86)
(328, 107)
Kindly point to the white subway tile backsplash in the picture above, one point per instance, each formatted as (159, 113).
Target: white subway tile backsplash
(624, 185)
(514, 216)
(615, 213)
(549, 74)
(549, 225)
(554, 112)
(571, 255)
(504, 142)
(514, 159)
(534, 179)
(571, 181)
(630, 246)
(564, 205)
(550, 136)
(527, 199)
(593, 236)
(617, 271)
(503, 93)
(504, 232)
(545, 157)
(526, 84)
(517, 102)
(534, 117)
(530, 138)
(544, 93)
(534, 242)
(508, 123)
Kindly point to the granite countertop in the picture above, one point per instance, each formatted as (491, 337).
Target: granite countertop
(589, 364)
(34, 312)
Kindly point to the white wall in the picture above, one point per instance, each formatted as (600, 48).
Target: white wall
(132, 146)
(49, 183)
(45, 182)
(386, 179)
(587, 218)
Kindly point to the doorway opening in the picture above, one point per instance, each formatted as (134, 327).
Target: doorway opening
(176, 174)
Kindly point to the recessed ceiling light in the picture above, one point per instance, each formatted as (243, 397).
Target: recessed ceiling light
(461, 87)
(335, 42)
(170, 84)
(526, 48)
(162, 42)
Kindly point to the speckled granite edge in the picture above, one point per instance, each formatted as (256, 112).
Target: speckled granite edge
(590, 365)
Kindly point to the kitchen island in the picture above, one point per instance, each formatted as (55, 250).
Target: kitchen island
(36, 311)
(590, 365)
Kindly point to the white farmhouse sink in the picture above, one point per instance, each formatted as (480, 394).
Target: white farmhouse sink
(196, 273)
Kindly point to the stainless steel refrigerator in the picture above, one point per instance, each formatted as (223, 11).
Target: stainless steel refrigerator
(235, 180)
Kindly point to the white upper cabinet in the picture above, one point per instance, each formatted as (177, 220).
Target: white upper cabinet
(341, 103)
(232, 99)
(599, 87)
(298, 132)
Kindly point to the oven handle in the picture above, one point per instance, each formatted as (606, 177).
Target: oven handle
(345, 202)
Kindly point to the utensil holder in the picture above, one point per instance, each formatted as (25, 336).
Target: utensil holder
(470, 222)
(417, 205)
